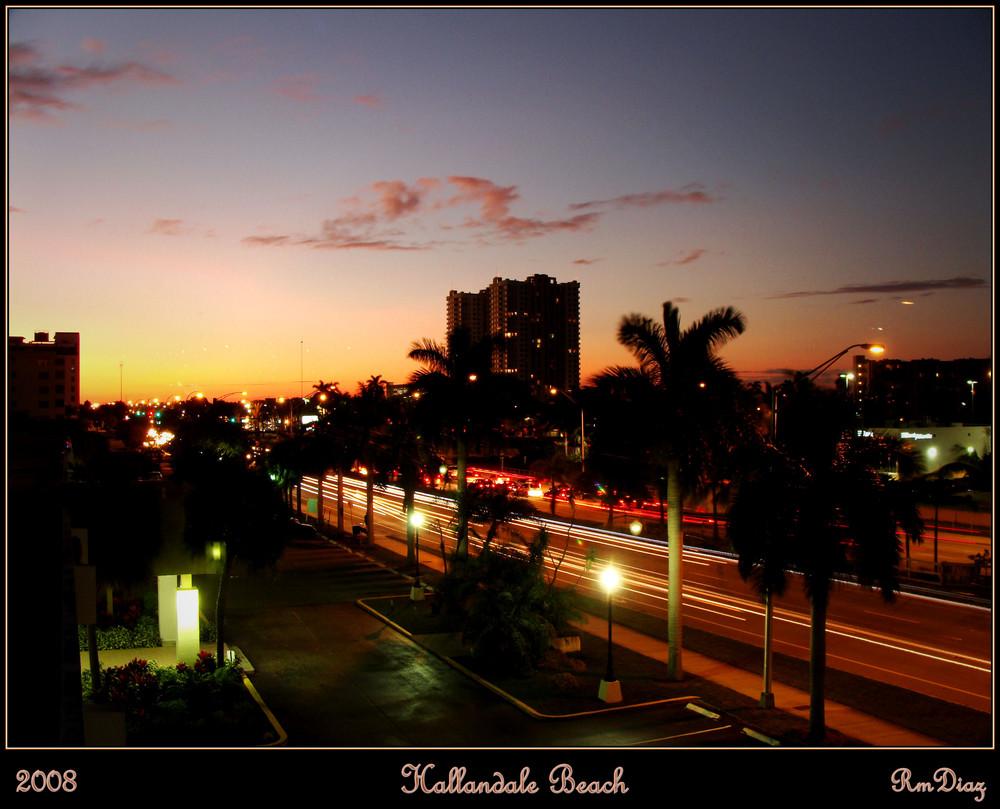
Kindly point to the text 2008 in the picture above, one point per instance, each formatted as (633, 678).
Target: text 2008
(51, 781)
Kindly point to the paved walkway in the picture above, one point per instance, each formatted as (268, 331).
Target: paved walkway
(852, 723)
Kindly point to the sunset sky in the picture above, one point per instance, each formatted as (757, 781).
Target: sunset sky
(251, 199)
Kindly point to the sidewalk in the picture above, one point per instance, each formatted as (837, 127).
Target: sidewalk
(848, 721)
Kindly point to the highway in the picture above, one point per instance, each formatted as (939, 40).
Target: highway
(921, 642)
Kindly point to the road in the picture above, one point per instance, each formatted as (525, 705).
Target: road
(919, 642)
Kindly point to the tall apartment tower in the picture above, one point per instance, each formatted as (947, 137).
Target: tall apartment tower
(43, 376)
(539, 319)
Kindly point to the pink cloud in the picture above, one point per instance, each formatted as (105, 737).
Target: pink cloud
(167, 227)
(687, 258)
(36, 94)
(395, 198)
(92, 46)
(375, 218)
(494, 200)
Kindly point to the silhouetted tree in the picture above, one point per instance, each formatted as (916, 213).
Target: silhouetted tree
(679, 381)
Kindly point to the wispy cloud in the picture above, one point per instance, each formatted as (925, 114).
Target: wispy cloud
(388, 214)
(299, 88)
(689, 194)
(686, 258)
(368, 100)
(306, 88)
(177, 227)
(167, 227)
(899, 121)
(37, 93)
(892, 288)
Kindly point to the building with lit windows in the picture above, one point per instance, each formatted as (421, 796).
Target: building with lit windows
(43, 375)
(539, 321)
(924, 392)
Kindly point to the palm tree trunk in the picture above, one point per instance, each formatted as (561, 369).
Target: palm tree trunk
(461, 485)
(340, 500)
(715, 516)
(675, 576)
(319, 500)
(817, 665)
(370, 506)
(408, 500)
(220, 607)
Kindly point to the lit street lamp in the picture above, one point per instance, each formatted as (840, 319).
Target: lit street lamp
(417, 590)
(874, 348)
(610, 689)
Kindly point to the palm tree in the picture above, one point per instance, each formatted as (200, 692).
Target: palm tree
(324, 393)
(557, 469)
(370, 417)
(498, 509)
(679, 379)
(823, 508)
(456, 391)
(406, 454)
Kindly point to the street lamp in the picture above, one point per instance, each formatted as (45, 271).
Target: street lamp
(583, 443)
(417, 590)
(610, 689)
(635, 528)
(767, 697)
(874, 348)
(972, 407)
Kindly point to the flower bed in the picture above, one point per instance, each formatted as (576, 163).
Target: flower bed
(204, 705)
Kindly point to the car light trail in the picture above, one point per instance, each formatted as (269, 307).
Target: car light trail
(644, 587)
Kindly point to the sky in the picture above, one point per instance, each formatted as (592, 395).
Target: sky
(230, 199)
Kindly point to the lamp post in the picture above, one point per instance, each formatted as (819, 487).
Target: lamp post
(874, 348)
(417, 590)
(583, 443)
(610, 689)
(635, 528)
(972, 406)
(766, 694)
(767, 697)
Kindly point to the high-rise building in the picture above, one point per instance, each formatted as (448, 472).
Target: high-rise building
(43, 376)
(539, 321)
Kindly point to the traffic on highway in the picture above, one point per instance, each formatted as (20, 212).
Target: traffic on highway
(924, 641)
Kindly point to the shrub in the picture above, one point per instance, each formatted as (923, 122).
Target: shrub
(511, 611)
(206, 704)
(136, 626)
(146, 634)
